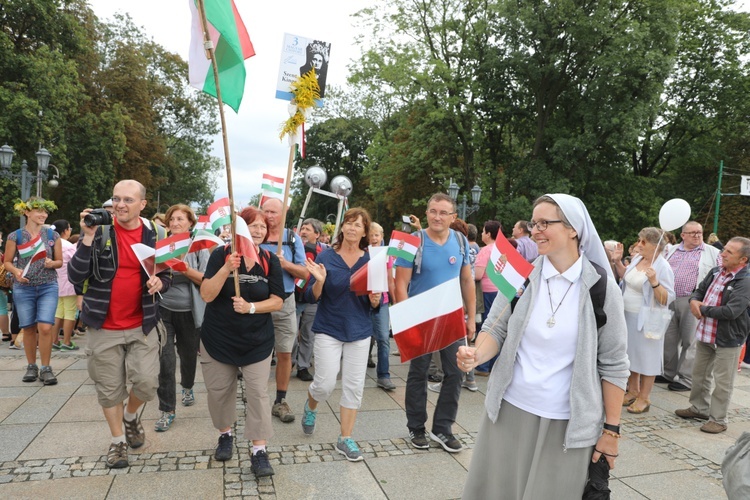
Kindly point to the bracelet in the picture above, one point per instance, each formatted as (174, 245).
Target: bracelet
(656, 285)
(613, 428)
(607, 454)
(610, 433)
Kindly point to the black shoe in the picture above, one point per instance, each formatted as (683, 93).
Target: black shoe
(370, 363)
(434, 378)
(448, 442)
(259, 464)
(661, 379)
(678, 387)
(32, 373)
(419, 439)
(304, 374)
(224, 448)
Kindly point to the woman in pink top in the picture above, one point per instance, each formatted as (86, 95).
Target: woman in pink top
(65, 316)
(489, 290)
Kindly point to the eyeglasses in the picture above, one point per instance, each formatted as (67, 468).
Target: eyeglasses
(540, 225)
(127, 201)
(694, 233)
(442, 214)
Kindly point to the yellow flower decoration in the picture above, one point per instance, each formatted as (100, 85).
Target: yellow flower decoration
(21, 207)
(306, 91)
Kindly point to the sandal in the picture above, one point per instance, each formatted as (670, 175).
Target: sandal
(633, 409)
(7, 337)
(628, 399)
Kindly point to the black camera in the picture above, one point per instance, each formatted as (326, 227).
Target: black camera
(98, 217)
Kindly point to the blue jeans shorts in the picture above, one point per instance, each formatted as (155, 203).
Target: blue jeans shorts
(35, 304)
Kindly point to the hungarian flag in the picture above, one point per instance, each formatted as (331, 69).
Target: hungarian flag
(372, 277)
(403, 245)
(147, 257)
(33, 250)
(170, 251)
(204, 240)
(204, 222)
(219, 213)
(507, 269)
(244, 242)
(429, 321)
(231, 44)
(272, 187)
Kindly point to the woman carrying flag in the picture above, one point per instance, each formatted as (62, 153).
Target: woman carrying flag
(35, 283)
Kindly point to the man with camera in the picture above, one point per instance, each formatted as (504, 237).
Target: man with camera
(123, 346)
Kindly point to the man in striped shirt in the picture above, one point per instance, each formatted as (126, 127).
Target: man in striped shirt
(720, 303)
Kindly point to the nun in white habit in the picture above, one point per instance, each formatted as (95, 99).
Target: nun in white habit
(554, 396)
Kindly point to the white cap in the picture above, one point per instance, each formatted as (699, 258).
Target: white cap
(107, 203)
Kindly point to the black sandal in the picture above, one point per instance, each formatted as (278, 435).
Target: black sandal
(7, 337)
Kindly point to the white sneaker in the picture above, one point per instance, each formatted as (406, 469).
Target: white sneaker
(435, 387)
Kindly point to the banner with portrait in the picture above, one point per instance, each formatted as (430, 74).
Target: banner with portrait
(299, 55)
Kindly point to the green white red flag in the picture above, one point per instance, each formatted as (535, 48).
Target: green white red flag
(219, 213)
(507, 269)
(33, 250)
(204, 240)
(272, 187)
(203, 223)
(231, 44)
(403, 245)
(170, 251)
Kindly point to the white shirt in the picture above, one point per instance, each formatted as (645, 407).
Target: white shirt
(544, 363)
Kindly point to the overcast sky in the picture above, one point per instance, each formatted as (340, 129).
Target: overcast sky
(254, 144)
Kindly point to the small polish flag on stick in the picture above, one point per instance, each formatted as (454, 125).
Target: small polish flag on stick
(372, 277)
(245, 245)
(429, 321)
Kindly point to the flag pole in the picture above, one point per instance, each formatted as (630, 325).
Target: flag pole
(208, 44)
(287, 187)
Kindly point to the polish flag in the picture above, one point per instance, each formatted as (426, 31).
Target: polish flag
(146, 255)
(204, 240)
(220, 213)
(507, 268)
(245, 245)
(171, 250)
(403, 245)
(429, 321)
(372, 277)
(32, 249)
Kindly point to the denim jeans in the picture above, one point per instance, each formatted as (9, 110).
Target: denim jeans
(182, 332)
(489, 298)
(380, 330)
(35, 303)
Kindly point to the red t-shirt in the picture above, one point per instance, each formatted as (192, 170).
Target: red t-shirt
(125, 306)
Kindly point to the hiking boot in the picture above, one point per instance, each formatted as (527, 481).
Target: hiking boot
(419, 439)
(134, 433)
(713, 427)
(386, 384)
(32, 373)
(304, 375)
(46, 376)
(188, 398)
(690, 413)
(470, 384)
(308, 419)
(117, 456)
(283, 411)
(448, 442)
(66, 347)
(259, 464)
(349, 449)
(164, 422)
(224, 448)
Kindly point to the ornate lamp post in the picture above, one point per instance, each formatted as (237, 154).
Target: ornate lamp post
(463, 209)
(27, 178)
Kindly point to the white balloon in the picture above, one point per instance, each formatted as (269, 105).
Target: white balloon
(674, 214)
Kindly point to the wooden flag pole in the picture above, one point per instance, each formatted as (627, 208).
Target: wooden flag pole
(208, 44)
(287, 187)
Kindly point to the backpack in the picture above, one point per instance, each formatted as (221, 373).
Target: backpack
(313, 250)
(105, 244)
(597, 293)
(462, 241)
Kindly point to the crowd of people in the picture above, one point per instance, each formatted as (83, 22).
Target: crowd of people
(590, 331)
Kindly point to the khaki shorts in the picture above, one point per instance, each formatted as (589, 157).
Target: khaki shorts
(67, 307)
(119, 357)
(285, 325)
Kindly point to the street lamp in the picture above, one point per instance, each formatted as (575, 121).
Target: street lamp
(27, 178)
(463, 209)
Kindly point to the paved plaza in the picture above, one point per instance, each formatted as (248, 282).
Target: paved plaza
(53, 441)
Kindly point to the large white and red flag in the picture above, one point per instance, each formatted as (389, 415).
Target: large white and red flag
(244, 242)
(372, 277)
(32, 249)
(429, 321)
(147, 257)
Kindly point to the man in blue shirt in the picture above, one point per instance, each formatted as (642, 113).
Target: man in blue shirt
(292, 258)
(443, 255)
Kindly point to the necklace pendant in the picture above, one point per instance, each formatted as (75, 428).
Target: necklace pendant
(551, 321)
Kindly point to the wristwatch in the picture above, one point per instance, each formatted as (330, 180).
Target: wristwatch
(252, 308)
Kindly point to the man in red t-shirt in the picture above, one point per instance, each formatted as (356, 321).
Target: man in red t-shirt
(121, 306)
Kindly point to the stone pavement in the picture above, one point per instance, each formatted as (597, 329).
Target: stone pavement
(53, 440)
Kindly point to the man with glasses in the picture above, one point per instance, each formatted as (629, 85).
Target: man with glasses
(444, 256)
(123, 342)
(691, 261)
